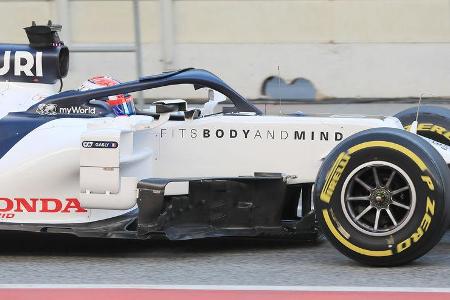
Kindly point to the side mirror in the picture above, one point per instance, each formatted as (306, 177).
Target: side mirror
(214, 99)
(168, 106)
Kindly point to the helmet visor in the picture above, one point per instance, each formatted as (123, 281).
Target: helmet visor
(124, 109)
(122, 105)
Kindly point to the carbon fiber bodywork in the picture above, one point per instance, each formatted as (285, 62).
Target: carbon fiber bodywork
(242, 206)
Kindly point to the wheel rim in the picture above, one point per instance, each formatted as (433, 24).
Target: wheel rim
(378, 198)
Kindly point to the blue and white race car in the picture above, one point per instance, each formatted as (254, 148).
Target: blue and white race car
(87, 162)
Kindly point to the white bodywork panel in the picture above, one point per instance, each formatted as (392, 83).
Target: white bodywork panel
(73, 170)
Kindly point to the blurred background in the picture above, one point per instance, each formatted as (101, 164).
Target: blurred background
(294, 49)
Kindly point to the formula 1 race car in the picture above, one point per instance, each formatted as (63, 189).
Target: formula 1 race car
(69, 164)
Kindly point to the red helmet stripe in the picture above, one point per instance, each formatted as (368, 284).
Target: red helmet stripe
(119, 99)
(103, 81)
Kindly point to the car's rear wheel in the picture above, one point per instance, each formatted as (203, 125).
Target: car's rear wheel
(381, 197)
(433, 122)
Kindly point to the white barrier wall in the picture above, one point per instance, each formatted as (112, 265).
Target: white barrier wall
(345, 48)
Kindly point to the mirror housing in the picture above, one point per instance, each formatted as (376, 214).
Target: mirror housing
(169, 106)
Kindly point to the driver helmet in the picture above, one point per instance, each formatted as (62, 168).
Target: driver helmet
(122, 105)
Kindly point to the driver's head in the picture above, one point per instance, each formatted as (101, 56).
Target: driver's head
(122, 104)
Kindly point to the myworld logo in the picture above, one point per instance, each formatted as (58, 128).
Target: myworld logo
(51, 109)
(77, 110)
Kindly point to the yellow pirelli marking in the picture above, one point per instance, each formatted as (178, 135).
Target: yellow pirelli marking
(434, 128)
(333, 177)
(419, 162)
(424, 225)
(349, 245)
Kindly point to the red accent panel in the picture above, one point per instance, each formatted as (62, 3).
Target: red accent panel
(163, 294)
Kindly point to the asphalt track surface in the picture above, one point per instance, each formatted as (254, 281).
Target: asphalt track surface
(42, 259)
(54, 259)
